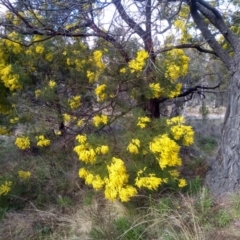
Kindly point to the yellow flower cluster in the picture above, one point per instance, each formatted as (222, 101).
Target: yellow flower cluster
(182, 183)
(72, 25)
(38, 93)
(81, 138)
(185, 11)
(142, 121)
(156, 89)
(176, 120)
(97, 61)
(5, 188)
(42, 141)
(75, 102)
(176, 64)
(68, 61)
(86, 152)
(181, 131)
(116, 184)
(137, 65)
(9, 15)
(95, 180)
(102, 150)
(24, 174)
(97, 57)
(174, 173)
(4, 131)
(91, 76)
(52, 84)
(123, 70)
(66, 118)
(176, 91)
(173, 71)
(15, 47)
(10, 80)
(133, 146)
(49, 57)
(180, 24)
(5, 109)
(100, 119)
(80, 64)
(58, 132)
(100, 92)
(22, 143)
(150, 182)
(14, 120)
(166, 151)
(80, 122)
(39, 49)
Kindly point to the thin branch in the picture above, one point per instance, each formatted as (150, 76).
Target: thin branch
(107, 37)
(190, 91)
(131, 23)
(190, 45)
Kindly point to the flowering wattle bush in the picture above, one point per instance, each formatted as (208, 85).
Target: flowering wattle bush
(146, 162)
(104, 100)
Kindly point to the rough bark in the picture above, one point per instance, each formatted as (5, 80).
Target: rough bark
(224, 172)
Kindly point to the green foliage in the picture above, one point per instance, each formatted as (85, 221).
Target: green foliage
(64, 201)
(235, 202)
(223, 218)
(127, 231)
(88, 197)
(194, 185)
(165, 204)
(121, 228)
(207, 144)
(38, 180)
(205, 200)
(42, 230)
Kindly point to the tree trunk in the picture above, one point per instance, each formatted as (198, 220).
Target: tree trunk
(154, 108)
(224, 173)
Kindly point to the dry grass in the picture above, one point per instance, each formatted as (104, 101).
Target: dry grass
(171, 217)
(33, 224)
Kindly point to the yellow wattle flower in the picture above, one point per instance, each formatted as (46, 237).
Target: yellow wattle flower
(24, 174)
(22, 143)
(42, 141)
(5, 188)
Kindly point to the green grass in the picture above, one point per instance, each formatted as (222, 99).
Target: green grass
(207, 144)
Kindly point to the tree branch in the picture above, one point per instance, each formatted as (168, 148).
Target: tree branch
(196, 46)
(148, 36)
(108, 38)
(130, 22)
(216, 19)
(209, 37)
(190, 91)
